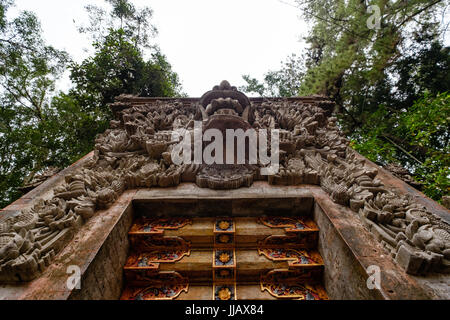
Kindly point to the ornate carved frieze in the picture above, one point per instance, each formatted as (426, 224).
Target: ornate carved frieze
(136, 153)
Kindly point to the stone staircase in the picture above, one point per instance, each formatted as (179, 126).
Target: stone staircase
(224, 258)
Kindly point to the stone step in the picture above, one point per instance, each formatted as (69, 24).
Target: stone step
(197, 264)
(248, 232)
(289, 291)
(204, 258)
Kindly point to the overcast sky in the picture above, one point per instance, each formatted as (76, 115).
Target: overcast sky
(206, 41)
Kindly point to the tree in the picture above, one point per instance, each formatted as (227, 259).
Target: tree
(282, 83)
(28, 71)
(379, 72)
(352, 54)
(135, 23)
(417, 138)
(4, 5)
(118, 67)
(39, 127)
(121, 40)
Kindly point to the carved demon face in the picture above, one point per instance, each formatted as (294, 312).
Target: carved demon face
(225, 108)
(225, 100)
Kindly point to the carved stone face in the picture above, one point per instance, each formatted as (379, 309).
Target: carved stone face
(225, 108)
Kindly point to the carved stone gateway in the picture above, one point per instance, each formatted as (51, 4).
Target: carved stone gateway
(136, 153)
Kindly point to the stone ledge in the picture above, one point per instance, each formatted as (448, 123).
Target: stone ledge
(364, 250)
(260, 198)
(91, 245)
(403, 188)
(192, 191)
(45, 190)
(81, 251)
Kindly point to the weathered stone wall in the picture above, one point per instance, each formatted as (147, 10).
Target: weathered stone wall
(203, 203)
(103, 279)
(349, 249)
(344, 278)
(101, 245)
(99, 249)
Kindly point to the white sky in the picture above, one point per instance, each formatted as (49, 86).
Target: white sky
(206, 41)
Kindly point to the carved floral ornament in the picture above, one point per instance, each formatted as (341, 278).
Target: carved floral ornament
(136, 153)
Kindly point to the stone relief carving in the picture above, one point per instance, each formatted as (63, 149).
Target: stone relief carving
(135, 153)
(36, 179)
(403, 174)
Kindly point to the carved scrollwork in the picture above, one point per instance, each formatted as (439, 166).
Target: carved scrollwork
(135, 153)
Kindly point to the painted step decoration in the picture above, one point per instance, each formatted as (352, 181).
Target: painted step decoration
(224, 260)
(150, 248)
(156, 226)
(285, 284)
(290, 224)
(145, 243)
(152, 259)
(161, 286)
(299, 233)
(291, 283)
(173, 258)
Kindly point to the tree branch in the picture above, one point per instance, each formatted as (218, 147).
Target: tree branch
(16, 44)
(417, 13)
(402, 149)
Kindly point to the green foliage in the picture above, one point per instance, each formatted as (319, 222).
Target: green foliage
(427, 124)
(77, 129)
(117, 66)
(418, 138)
(369, 140)
(426, 68)
(352, 54)
(28, 71)
(39, 127)
(4, 4)
(134, 23)
(386, 81)
(282, 83)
